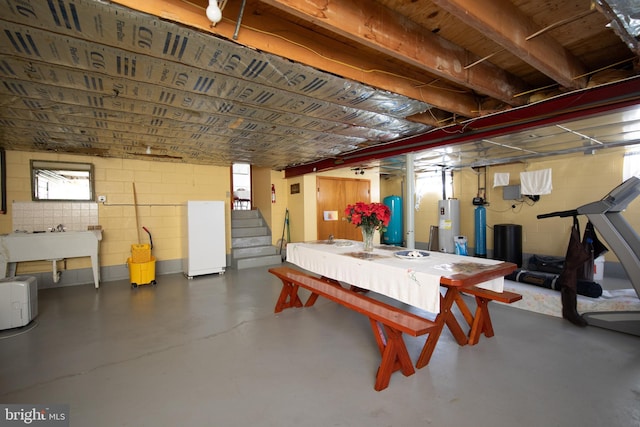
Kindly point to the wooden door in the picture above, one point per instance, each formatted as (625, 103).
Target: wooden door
(333, 195)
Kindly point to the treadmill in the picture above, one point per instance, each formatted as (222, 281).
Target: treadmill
(606, 217)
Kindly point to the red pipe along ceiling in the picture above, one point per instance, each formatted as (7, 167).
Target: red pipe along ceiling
(575, 105)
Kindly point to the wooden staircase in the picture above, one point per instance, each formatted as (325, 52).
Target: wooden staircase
(251, 241)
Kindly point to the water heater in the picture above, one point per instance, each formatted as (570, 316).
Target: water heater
(393, 235)
(448, 224)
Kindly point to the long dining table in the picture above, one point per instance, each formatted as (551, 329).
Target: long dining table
(412, 277)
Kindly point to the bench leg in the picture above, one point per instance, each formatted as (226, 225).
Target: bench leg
(395, 356)
(288, 297)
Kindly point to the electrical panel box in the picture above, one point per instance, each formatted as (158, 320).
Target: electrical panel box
(511, 192)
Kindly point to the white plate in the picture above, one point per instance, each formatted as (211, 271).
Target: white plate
(342, 243)
(411, 254)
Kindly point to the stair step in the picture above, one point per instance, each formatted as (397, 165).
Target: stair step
(254, 251)
(247, 222)
(245, 214)
(245, 242)
(249, 232)
(258, 261)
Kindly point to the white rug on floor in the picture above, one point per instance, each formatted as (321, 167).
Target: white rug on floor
(547, 301)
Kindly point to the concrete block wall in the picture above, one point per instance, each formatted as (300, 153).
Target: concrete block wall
(161, 191)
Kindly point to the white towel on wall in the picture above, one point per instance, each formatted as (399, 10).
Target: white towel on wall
(536, 183)
(500, 179)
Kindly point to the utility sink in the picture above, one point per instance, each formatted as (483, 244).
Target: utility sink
(17, 247)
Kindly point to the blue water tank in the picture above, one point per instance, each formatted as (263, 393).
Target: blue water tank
(394, 233)
(481, 231)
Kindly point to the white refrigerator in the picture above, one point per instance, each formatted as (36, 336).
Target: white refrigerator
(204, 246)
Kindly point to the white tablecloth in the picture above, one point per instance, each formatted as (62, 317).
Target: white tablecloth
(412, 281)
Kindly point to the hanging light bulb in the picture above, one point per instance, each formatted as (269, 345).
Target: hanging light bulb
(213, 12)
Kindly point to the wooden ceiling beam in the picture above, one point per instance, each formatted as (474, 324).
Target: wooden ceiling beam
(504, 23)
(268, 33)
(378, 27)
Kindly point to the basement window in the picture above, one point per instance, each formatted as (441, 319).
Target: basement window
(61, 181)
(431, 182)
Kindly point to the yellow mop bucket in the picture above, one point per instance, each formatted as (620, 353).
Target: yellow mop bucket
(141, 253)
(142, 265)
(142, 273)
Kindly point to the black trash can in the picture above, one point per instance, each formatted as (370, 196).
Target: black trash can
(507, 243)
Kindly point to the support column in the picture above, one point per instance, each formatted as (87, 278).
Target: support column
(410, 202)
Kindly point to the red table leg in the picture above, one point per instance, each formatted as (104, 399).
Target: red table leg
(444, 317)
(482, 322)
(479, 322)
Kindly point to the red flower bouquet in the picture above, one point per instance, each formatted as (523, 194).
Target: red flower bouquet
(369, 216)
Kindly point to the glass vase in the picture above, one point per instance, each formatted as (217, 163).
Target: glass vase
(367, 239)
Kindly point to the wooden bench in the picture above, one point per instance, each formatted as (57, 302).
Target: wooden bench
(480, 322)
(388, 322)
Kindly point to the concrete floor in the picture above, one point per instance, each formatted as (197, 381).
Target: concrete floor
(211, 352)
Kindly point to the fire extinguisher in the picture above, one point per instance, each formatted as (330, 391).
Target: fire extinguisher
(273, 193)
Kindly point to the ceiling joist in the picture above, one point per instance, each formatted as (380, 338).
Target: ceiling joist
(374, 25)
(502, 22)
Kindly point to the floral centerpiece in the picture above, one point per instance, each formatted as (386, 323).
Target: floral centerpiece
(369, 217)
